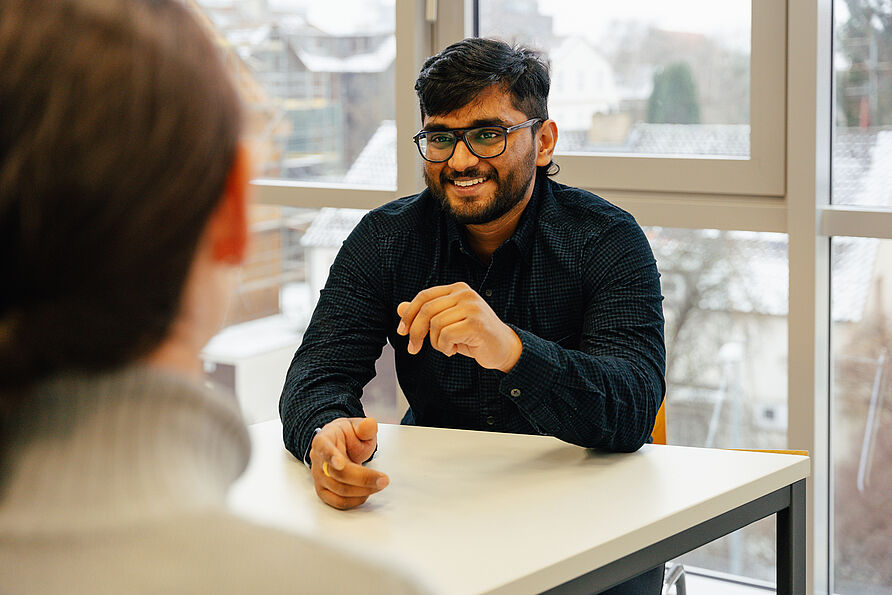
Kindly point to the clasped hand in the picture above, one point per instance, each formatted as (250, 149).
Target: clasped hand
(458, 320)
(336, 456)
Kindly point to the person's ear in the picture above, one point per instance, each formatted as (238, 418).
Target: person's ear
(546, 139)
(229, 223)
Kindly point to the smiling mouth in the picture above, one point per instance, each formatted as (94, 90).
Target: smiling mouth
(467, 183)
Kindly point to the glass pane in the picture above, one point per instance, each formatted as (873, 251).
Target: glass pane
(317, 82)
(290, 255)
(861, 336)
(726, 345)
(862, 150)
(642, 76)
(861, 421)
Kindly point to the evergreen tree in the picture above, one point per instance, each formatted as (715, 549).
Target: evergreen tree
(674, 96)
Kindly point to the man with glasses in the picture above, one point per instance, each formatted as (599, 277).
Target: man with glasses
(513, 303)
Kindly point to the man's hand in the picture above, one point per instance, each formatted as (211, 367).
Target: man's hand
(339, 449)
(458, 320)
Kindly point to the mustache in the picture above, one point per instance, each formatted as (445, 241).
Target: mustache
(446, 177)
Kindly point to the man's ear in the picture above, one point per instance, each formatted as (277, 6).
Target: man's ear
(546, 139)
(229, 223)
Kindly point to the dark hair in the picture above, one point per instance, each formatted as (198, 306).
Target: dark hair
(118, 127)
(460, 73)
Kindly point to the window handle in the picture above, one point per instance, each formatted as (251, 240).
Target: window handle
(430, 11)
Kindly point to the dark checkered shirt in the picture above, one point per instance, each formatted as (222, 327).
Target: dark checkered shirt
(578, 283)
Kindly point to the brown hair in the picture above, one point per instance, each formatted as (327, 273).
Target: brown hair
(118, 127)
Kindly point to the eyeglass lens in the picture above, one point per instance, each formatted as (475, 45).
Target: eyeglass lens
(483, 142)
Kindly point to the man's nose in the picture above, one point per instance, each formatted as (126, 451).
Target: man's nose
(462, 158)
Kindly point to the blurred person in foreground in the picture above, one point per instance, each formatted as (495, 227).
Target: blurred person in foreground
(122, 218)
(513, 303)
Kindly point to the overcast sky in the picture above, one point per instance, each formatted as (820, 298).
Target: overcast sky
(727, 19)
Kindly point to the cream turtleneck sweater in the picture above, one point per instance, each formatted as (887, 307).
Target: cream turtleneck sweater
(117, 483)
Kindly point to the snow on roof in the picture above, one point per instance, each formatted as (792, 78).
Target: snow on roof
(731, 140)
(728, 140)
(736, 271)
(852, 262)
(875, 174)
(351, 17)
(756, 273)
(851, 160)
(376, 61)
(251, 338)
(376, 163)
(292, 24)
(249, 36)
(331, 227)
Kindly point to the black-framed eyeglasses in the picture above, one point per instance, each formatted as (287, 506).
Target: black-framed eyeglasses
(485, 142)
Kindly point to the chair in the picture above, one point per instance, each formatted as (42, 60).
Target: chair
(674, 574)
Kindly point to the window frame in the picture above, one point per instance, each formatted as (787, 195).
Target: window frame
(762, 174)
(414, 32)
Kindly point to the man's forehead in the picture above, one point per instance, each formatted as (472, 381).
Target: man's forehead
(493, 106)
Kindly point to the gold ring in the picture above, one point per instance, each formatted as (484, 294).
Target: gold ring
(325, 469)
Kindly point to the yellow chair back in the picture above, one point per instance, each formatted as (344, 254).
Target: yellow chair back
(659, 432)
(659, 435)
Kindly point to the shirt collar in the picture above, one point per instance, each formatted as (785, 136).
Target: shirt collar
(523, 236)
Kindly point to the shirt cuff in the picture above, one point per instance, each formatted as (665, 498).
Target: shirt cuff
(306, 457)
(313, 427)
(535, 370)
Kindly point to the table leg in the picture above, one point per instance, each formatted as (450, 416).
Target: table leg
(791, 543)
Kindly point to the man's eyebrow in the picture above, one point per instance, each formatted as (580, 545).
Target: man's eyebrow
(489, 122)
(474, 124)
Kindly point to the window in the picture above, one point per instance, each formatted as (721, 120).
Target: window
(725, 308)
(317, 83)
(291, 252)
(269, 311)
(862, 413)
(639, 77)
(675, 79)
(317, 79)
(860, 276)
(726, 361)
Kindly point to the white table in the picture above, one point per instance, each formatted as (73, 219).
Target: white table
(480, 512)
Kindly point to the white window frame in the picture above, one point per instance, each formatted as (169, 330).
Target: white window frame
(762, 174)
(414, 22)
(694, 192)
(784, 187)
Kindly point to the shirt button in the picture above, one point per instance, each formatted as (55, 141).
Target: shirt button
(488, 292)
(490, 420)
(515, 392)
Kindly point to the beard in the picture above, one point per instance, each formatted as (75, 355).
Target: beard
(509, 192)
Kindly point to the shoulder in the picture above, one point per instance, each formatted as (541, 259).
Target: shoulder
(568, 206)
(605, 239)
(571, 217)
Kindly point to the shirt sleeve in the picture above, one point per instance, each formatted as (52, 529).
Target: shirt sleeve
(606, 393)
(343, 340)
